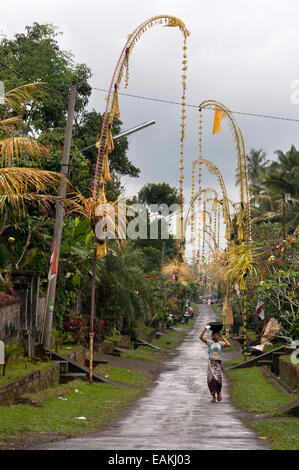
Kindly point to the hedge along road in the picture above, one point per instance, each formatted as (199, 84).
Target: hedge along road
(176, 413)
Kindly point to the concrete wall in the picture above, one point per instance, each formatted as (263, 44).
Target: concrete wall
(10, 322)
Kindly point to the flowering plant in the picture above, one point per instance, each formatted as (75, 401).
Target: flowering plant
(77, 326)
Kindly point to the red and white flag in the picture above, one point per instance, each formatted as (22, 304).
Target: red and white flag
(237, 290)
(53, 263)
(260, 309)
(174, 277)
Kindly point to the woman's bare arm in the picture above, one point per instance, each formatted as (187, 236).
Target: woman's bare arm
(202, 335)
(226, 343)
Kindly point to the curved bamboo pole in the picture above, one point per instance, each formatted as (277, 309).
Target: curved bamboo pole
(242, 160)
(191, 203)
(105, 144)
(214, 170)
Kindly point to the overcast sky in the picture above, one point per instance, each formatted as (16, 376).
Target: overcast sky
(242, 53)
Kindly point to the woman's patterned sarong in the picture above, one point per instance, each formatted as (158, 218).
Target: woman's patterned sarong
(215, 369)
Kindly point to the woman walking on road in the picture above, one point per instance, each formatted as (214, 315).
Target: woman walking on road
(215, 367)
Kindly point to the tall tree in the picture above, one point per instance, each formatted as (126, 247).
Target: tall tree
(156, 250)
(36, 55)
(272, 183)
(256, 165)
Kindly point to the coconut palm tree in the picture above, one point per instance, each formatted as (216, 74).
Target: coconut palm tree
(271, 185)
(256, 165)
(19, 185)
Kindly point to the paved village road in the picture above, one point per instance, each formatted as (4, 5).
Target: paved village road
(176, 413)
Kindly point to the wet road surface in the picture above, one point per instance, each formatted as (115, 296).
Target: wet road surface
(176, 413)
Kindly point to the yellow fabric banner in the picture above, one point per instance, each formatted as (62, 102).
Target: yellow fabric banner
(219, 115)
(214, 206)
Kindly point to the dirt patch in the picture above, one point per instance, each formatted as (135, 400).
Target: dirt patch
(28, 401)
(31, 438)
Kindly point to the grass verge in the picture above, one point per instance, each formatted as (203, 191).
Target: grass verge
(22, 367)
(282, 435)
(167, 341)
(60, 407)
(128, 376)
(252, 392)
(98, 403)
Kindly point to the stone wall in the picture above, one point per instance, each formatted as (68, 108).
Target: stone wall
(289, 373)
(33, 382)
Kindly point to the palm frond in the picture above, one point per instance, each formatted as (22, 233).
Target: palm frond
(9, 125)
(233, 263)
(265, 216)
(17, 202)
(13, 147)
(89, 208)
(181, 269)
(17, 98)
(18, 185)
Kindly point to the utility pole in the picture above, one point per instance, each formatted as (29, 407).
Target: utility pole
(284, 214)
(49, 308)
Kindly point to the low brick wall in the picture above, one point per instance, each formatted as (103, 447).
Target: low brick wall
(289, 373)
(33, 382)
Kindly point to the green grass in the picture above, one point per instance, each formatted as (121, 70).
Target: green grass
(21, 368)
(252, 335)
(143, 352)
(147, 329)
(252, 392)
(235, 361)
(282, 435)
(185, 326)
(66, 349)
(129, 376)
(234, 346)
(169, 340)
(113, 337)
(274, 346)
(172, 339)
(97, 402)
